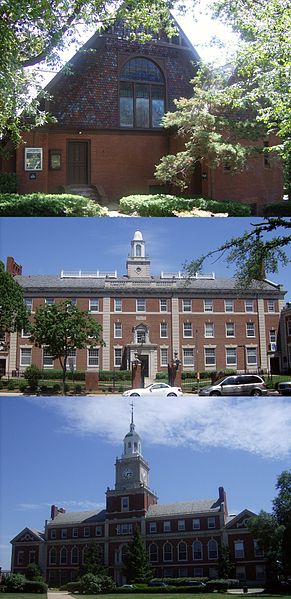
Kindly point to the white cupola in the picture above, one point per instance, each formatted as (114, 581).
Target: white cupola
(138, 264)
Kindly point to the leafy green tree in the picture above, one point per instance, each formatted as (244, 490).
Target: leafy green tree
(64, 327)
(137, 565)
(13, 313)
(15, 583)
(91, 584)
(33, 572)
(226, 568)
(92, 562)
(33, 375)
(282, 512)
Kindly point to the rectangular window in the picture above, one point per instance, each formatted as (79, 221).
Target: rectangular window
(98, 531)
(28, 304)
(187, 305)
(86, 531)
(261, 573)
(64, 533)
(163, 305)
(47, 359)
(208, 329)
(94, 305)
(31, 557)
(49, 301)
(249, 305)
(153, 527)
(20, 558)
(289, 328)
(25, 333)
(71, 362)
(181, 524)
(93, 357)
(211, 522)
(117, 356)
(198, 572)
(124, 529)
(272, 336)
(33, 159)
(188, 356)
(117, 305)
(271, 305)
(196, 524)
(53, 533)
(74, 533)
(229, 329)
(140, 305)
(208, 305)
(231, 357)
(117, 330)
(258, 552)
(228, 305)
(239, 551)
(187, 329)
(124, 504)
(240, 572)
(163, 329)
(209, 356)
(164, 356)
(167, 526)
(251, 356)
(25, 356)
(250, 329)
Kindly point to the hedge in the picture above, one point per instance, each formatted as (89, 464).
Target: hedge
(35, 586)
(117, 375)
(41, 204)
(282, 209)
(222, 584)
(165, 205)
(7, 182)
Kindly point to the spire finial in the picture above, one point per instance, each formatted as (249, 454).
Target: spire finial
(132, 422)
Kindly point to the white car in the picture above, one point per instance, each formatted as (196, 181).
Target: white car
(155, 389)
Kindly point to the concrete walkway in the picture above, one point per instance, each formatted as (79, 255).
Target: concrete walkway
(57, 594)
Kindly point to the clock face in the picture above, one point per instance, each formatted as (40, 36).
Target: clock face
(143, 475)
(127, 473)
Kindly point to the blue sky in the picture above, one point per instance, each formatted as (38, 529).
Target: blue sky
(63, 450)
(48, 245)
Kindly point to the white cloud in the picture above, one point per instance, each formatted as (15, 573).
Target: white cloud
(260, 426)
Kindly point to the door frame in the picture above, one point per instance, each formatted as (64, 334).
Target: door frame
(88, 144)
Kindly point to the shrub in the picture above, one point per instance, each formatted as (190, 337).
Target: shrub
(222, 584)
(22, 386)
(56, 388)
(11, 385)
(282, 209)
(78, 389)
(165, 205)
(35, 586)
(1, 385)
(71, 587)
(33, 572)
(32, 375)
(117, 375)
(15, 583)
(162, 376)
(7, 182)
(91, 584)
(77, 375)
(41, 204)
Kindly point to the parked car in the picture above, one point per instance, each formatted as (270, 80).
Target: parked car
(127, 586)
(243, 384)
(284, 388)
(194, 583)
(158, 583)
(155, 389)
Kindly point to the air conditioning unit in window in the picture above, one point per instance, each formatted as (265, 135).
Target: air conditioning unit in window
(273, 346)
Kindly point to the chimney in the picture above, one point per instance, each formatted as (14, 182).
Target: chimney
(12, 267)
(55, 511)
(222, 499)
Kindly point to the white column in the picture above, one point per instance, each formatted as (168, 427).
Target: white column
(175, 328)
(12, 352)
(262, 335)
(106, 333)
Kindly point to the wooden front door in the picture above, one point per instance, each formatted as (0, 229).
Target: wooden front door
(78, 162)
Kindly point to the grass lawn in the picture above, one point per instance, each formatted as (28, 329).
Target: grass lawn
(181, 595)
(23, 596)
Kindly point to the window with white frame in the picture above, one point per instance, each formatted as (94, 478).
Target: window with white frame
(168, 552)
(118, 305)
(181, 524)
(251, 356)
(211, 522)
(49, 301)
(239, 551)
(198, 572)
(209, 356)
(86, 531)
(124, 529)
(71, 362)
(47, 359)
(289, 328)
(140, 334)
(196, 524)
(273, 335)
(187, 305)
(167, 526)
(188, 356)
(31, 557)
(33, 159)
(64, 533)
(117, 330)
(53, 534)
(25, 356)
(182, 552)
(26, 332)
(250, 329)
(140, 305)
(74, 533)
(153, 552)
(229, 329)
(197, 552)
(124, 504)
(271, 305)
(93, 357)
(28, 303)
(208, 305)
(52, 556)
(249, 305)
(117, 356)
(212, 549)
(20, 558)
(182, 572)
(208, 329)
(98, 531)
(94, 305)
(164, 356)
(258, 551)
(163, 305)
(163, 329)
(187, 329)
(63, 556)
(74, 556)
(153, 527)
(228, 305)
(231, 356)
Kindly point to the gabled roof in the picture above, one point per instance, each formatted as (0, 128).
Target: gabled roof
(183, 507)
(70, 518)
(31, 533)
(239, 521)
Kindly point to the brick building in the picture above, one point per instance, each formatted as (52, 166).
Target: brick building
(108, 132)
(183, 539)
(206, 321)
(285, 339)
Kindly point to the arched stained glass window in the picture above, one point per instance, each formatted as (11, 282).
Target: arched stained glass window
(142, 94)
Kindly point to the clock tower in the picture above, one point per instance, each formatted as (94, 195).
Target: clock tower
(131, 476)
(138, 264)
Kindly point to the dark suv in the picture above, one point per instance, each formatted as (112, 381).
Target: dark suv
(241, 384)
